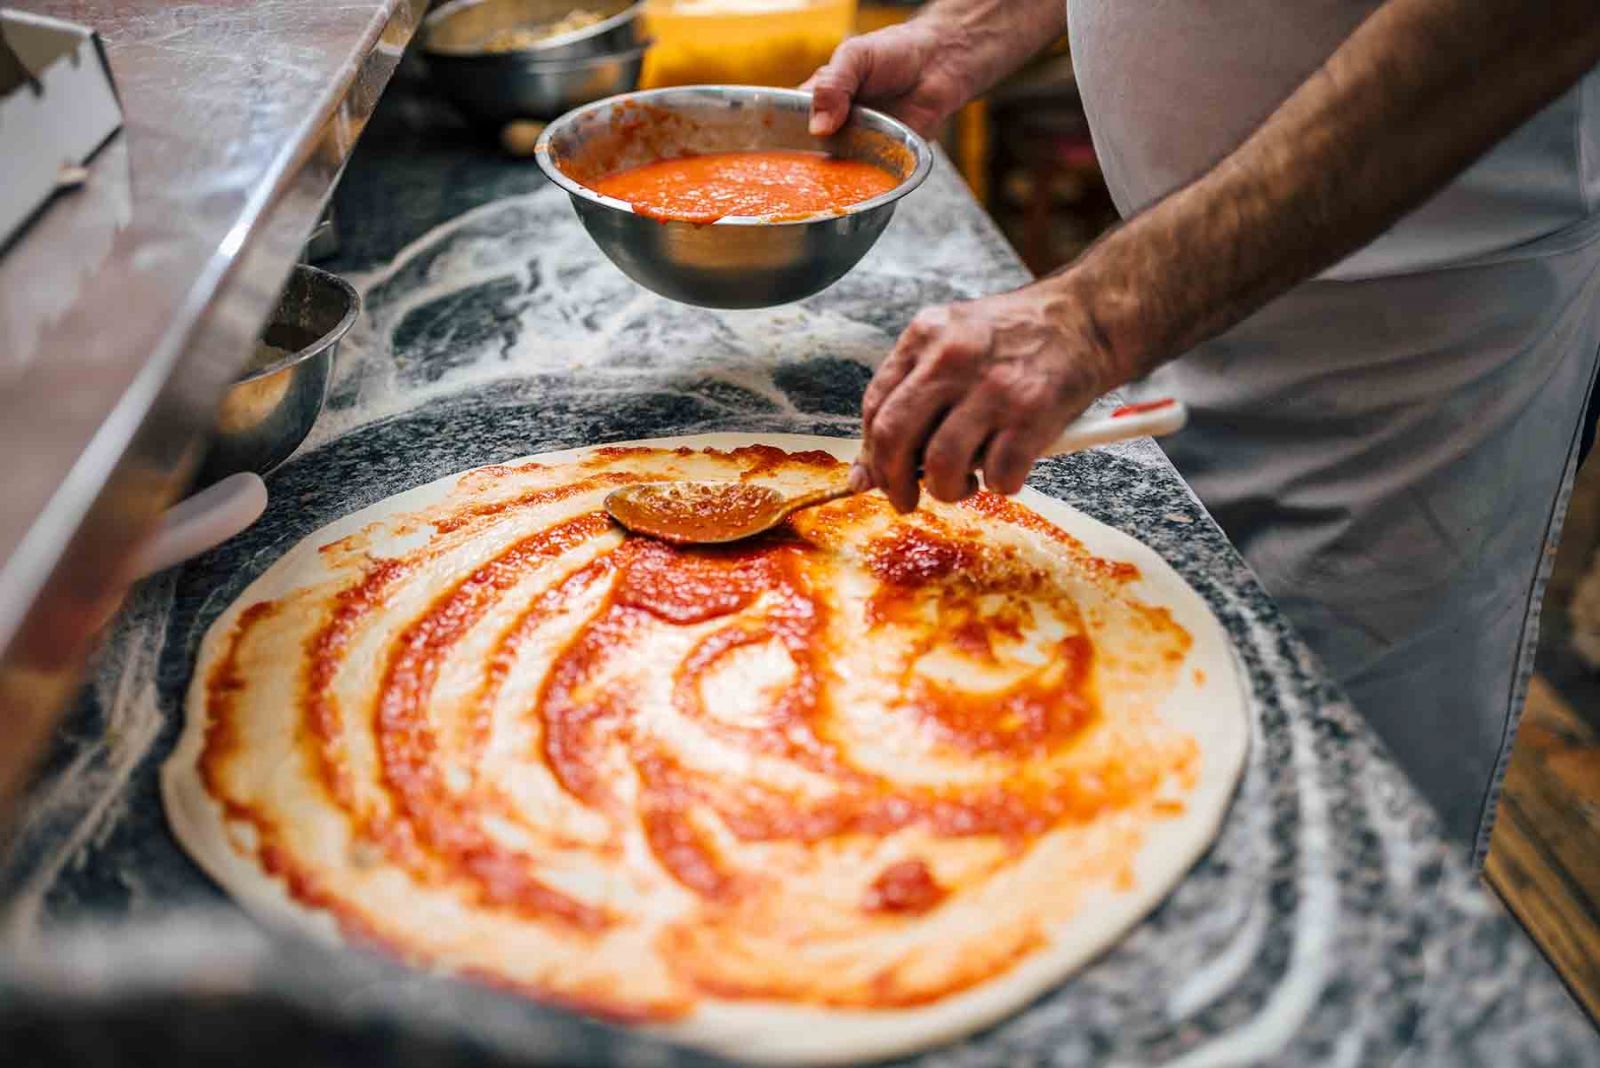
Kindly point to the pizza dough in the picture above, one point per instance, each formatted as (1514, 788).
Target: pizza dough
(841, 793)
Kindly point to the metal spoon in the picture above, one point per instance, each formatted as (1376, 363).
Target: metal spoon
(688, 512)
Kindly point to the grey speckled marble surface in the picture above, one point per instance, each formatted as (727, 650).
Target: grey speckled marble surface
(1330, 924)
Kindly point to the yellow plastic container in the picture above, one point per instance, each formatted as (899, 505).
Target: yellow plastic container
(742, 42)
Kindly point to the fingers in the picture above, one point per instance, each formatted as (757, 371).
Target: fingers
(947, 359)
(957, 446)
(979, 384)
(893, 370)
(890, 376)
(1010, 455)
(890, 373)
(1007, 461)
(900, 433)
(834, 87)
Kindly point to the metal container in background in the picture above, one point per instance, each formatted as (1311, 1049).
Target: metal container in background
(739, 261)
(269, 411)
(492, 90)
(542, 79)
(464, 27)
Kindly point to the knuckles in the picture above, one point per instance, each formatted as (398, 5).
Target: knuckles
(887, 439)
(947, 486)
(1032, 397)
(1003, 474)
(942, 461)
(955, 356)
(926, 324)
(852, 52)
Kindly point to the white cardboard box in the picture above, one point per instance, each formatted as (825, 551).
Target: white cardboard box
(54, 112)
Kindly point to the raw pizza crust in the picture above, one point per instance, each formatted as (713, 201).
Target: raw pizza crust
(1208, 703)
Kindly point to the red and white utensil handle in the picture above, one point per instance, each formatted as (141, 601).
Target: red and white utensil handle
(1151, 419)
(202, 522)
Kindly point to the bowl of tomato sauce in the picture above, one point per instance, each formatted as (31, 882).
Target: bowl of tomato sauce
(718, 195)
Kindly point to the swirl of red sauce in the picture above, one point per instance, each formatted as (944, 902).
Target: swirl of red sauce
(937, 592)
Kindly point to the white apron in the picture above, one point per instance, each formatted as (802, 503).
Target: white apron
(1390, 445)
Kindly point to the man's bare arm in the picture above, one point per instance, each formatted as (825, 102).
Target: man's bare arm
(1420, 90)
(1412, 97)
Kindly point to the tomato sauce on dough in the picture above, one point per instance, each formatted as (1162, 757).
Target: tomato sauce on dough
(772, 183)
(744, 791)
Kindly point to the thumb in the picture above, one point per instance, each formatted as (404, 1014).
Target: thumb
(834, 87)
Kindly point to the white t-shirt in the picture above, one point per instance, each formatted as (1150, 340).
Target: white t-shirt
(1170, 86)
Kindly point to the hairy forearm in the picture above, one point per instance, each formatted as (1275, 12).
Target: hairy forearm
(995, 37)
(1413, 96)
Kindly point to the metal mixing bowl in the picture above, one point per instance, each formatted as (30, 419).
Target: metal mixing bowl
(269, 411)
(542, 80)
(496, 89)
(739, 261)
(461, 28)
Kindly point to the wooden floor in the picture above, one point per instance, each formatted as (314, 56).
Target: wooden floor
(1544, 858)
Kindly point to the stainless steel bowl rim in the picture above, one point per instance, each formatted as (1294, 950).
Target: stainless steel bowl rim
(919, 148)
(327, 340)
(560, 40)
(525, 61)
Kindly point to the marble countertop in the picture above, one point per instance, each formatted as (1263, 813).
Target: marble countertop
(1330, 924)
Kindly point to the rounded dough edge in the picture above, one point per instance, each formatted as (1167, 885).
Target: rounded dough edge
(779, 1034)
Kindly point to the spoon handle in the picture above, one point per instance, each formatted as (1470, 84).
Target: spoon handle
(816, 497)
(207, 519)
(1151, 419)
